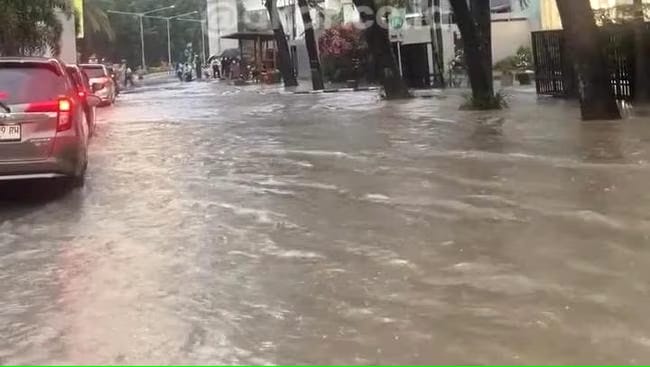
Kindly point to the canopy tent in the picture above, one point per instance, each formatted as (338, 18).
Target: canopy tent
(261, 57)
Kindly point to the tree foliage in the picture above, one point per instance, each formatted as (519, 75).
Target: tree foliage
(96, 20)
(31, 27)
(126, 43)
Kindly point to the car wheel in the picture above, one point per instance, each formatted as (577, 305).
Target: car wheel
(79, 179)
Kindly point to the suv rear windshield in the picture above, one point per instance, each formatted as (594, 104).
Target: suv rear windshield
(24, 83)
(94, 71)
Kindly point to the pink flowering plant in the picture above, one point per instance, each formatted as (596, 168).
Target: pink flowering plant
(342, 49)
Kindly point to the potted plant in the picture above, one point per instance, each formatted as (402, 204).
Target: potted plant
(506, 67)
(457, 69)
(524, 64)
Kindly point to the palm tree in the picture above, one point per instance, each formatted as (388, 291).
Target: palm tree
(36, 31)
(96, 20)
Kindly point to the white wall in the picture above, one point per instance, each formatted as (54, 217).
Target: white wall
(222, 20)
(508, 36)
(68, 40)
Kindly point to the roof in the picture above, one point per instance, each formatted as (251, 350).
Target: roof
(55, 64)
(27, 59)
(250, 36)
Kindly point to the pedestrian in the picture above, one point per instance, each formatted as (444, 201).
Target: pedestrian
(235, 70)
(179, 71)
(122, 73)
(225, 67)
(140, 72)
(215, 69)
(199, 66)
(128, 77)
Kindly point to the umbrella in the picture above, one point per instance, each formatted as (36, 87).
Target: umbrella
(230, 53)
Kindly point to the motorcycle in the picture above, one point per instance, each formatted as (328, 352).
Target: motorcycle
(188, 73)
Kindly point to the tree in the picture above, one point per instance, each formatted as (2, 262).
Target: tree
(286, 70)
(312, 50)
(475, 31)
(96, 20)
(597, 100)
(642, 48)
(31, 27)
(380, 49)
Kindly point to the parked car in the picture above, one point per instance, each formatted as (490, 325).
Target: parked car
(43, 126)
(100, 76)
(84, 89)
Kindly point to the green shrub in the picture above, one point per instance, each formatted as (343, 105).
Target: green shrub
(496, 102)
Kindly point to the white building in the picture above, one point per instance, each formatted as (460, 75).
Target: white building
(68, 41)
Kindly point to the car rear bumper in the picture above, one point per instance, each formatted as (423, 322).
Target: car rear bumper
(25, 170)
(104, 94)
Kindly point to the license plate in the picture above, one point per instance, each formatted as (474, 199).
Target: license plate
(10, 132)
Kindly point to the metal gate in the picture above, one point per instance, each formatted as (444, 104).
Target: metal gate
(554, 70)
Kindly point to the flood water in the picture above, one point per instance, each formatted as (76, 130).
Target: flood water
(224, 225)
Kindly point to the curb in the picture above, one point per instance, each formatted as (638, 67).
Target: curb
(337, 90)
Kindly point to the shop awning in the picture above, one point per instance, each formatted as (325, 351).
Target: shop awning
(250, 36)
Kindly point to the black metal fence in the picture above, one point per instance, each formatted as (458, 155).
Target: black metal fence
(554, 70)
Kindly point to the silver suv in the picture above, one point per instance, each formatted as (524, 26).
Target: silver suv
(43, 127)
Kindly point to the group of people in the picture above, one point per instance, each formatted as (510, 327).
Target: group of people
(122, 72)
(192, 65)
(226, 68)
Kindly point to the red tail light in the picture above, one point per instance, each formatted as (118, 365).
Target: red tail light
(82, 94)
(64, 121)
(63, 108)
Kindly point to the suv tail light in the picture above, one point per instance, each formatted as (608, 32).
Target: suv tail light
(63, 108)
(64, 120)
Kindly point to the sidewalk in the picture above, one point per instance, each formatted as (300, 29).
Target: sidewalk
(149, 80)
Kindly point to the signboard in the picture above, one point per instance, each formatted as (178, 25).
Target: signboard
(396, 25)
(79, 17)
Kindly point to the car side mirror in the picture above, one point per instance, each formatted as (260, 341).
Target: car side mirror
(93, 100)
(97, 86)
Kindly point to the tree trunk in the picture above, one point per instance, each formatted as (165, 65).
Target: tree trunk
(380, 48)
(283, 47)
(312, 49)
(482, 15)
(597, 100)
(642, 53)
(476, 52)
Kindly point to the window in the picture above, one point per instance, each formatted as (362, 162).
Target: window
(21, 84)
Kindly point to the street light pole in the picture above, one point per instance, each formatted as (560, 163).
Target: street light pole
(140, 17)
(169, 44)
(169, 38)
(144, 62)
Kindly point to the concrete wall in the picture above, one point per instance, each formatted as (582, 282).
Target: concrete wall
(222, 20)
(508, 36)
(68, 40)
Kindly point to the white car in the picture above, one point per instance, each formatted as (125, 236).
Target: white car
(99, 75)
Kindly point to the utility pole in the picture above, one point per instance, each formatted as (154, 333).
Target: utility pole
(144, 62)
(140, 17)
(169, 38)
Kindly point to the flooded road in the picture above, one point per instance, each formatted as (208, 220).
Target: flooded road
(222, 225)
